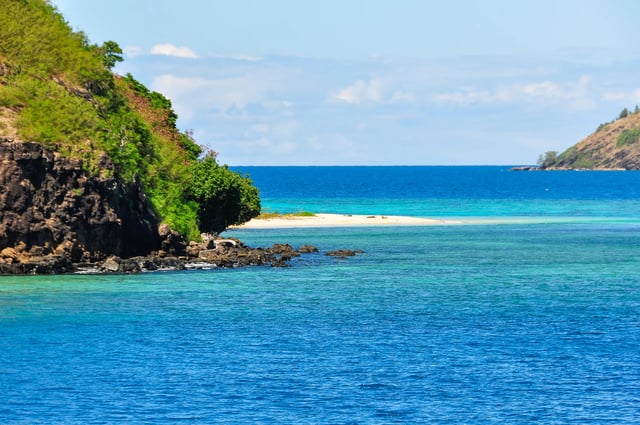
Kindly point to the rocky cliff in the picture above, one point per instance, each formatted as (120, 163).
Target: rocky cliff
(55, 217)
(49, 205)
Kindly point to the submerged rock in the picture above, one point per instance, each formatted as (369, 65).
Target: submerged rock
(343, 253)
(306, 249)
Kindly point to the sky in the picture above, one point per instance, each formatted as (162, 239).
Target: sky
(403, 82)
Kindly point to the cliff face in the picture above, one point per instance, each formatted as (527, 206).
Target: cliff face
(50, 206)
(615, 145)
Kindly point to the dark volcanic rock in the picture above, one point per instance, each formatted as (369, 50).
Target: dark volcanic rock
(233, 253)
(306, 249)
(171, 242)
(56, 218)
(49, 205)
(343, 253)
(52, 264)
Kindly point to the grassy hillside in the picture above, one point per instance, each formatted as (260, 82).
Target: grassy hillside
(57, 88)
(614, 145)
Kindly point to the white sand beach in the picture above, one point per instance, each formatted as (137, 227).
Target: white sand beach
(339, 220)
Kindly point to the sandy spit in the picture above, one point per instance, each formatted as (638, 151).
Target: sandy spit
(340, 220)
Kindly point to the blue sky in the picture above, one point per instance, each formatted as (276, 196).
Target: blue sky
(402, 82)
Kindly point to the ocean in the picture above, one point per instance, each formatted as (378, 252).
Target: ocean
(527, 313)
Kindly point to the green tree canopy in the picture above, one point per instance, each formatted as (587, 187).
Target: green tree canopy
(224, 197)
(111, 52)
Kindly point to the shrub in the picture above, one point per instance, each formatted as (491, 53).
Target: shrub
(547, 159)
(624, 113)
(628, 137)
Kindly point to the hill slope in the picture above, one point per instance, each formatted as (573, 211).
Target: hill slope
(615, 145)
(57, 89)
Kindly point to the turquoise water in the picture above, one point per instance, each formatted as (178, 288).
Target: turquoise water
(500, 323)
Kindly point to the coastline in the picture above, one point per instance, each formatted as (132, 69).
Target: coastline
(339, 220)
(326, 220)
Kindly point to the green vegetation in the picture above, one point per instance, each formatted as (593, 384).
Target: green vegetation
(547, 159)
(65, 96)
(225, 197)
(577, 159)
(628, 137)
(602, 126)
(623, 114)
(276, 214)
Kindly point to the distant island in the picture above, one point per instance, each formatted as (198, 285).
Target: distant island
(614, 145)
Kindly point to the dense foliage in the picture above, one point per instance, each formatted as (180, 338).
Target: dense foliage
(64, 95)
(224, 197)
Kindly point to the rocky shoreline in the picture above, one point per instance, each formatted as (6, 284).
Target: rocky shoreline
(224, 253)
(57, 218)
(210, 254)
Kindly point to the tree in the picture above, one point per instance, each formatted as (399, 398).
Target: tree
(624, 113)
(111, 53)
(547, 159)
(224, 197)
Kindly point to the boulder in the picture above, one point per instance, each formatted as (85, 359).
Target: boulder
(171, 242)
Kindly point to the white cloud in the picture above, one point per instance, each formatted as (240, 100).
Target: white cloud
(372, 91)
(285, 130)
(220, 94)
(227, 98)
(247, 58)
(360, 92)
(249, 109)
(168, 49)
(575, 96)
(465, 97)
(133, 51)
(622, 96)
(266, 145)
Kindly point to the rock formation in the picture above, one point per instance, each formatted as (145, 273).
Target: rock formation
(50, 205)
(55, 217)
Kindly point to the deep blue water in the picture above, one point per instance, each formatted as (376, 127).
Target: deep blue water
(433, 182)
(510, 322)
(449, 191)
